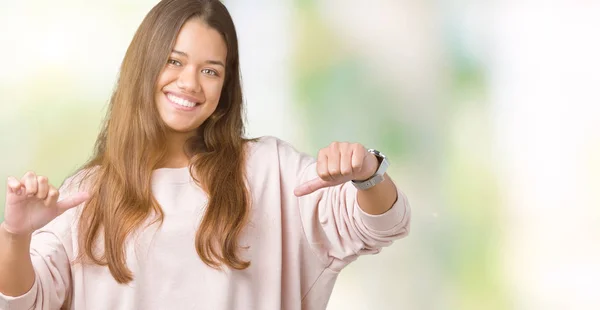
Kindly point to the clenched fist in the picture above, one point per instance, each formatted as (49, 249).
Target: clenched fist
(339, 163)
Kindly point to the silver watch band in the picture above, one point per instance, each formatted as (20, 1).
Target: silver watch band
(378, 177)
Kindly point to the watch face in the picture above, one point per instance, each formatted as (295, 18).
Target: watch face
(380, 157)
(375, 152)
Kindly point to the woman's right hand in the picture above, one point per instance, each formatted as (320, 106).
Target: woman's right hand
(32, 202)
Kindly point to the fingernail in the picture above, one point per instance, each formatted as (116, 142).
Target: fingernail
(19, 192)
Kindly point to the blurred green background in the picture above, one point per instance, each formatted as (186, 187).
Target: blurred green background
(486, 109)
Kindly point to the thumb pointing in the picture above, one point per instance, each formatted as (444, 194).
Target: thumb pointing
(72, 201)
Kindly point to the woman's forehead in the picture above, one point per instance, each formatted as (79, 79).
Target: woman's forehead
(198, 41)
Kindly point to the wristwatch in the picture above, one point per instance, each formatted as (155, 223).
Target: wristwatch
(378, 176)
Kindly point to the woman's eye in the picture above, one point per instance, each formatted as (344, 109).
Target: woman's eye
(209, 71)
(174, 62)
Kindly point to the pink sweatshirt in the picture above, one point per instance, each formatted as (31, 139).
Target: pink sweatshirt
(297, 246)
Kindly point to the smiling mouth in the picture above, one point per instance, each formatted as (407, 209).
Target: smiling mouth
(181, 101)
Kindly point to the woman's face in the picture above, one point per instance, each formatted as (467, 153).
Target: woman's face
(189, 86)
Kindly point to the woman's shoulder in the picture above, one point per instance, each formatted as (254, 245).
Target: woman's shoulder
(263, 141)
(81, 180)
(270, 151)
(270, 144)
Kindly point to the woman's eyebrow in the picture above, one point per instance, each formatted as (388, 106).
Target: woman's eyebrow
(216, 62)
(179, 53)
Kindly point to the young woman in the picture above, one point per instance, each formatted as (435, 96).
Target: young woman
(177, 210)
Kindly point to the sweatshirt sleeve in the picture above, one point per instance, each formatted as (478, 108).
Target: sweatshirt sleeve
(52, 276)
(335, 226)
(51, 263)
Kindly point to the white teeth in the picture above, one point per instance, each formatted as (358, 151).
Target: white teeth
(181, 101)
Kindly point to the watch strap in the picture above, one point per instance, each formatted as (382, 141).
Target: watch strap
(378, 177)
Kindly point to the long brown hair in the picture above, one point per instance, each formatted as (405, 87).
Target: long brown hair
(131, 145)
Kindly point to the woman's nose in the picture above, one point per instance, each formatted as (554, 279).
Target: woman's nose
(189, 81)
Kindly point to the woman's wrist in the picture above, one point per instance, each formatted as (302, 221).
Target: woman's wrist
(12, 237)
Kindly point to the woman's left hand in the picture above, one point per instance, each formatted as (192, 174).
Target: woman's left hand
(339, 163)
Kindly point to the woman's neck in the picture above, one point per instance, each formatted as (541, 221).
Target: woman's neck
(176, 157)
(175, 163)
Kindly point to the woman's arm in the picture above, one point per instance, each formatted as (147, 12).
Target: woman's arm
(339, 220)
(341, 162)
(379, 198)
(16, 270)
